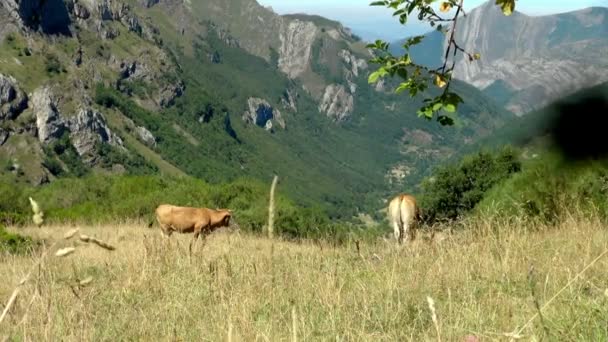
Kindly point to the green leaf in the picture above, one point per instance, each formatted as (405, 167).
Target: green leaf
(403, 87)
(507, 6)
(373, 78)
(378, 3)
(450, 108)
(437, 106)
(414, 40)
(445, 120)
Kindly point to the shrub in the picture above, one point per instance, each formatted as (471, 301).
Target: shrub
(53, 65)
(455, 190)
(15, 243)
(549, 188)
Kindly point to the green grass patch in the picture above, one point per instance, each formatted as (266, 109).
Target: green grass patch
(13, 243)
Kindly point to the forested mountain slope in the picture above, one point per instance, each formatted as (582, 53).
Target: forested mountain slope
(217, 90)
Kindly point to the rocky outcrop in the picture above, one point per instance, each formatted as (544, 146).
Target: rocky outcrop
(288, 100)
(296, 46)
(81, 11)
(89, 128)
(86, 129)
(356, 65)
(145, 136)
(260, 113)
(171, 92)
(112, 10)
(130, 71)
(4, 134)
(223, 35)
(353, 67)
(337, 102)
(527, 62)
(48, 16)
(149, 3)
(48, 121)
(13, 101)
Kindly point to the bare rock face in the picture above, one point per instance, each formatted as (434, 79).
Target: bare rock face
(260, 113)
(532, 61)
(288, 100)
(3, 136)
(145, 136)
(131, 71)
(13, 101)
(337, 102)
(89, 128)
(296, 46)
(353, 67)
(48, 121)
(149, 3)
(48, 16)
(112, 10)
(86, 129)
(170, 93)
(81, 11)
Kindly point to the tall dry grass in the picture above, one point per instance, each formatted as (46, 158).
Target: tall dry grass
(487, 281)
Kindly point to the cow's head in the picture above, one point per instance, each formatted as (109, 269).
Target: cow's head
(226, 215)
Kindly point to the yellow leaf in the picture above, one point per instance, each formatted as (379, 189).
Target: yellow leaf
(507, 6)
(445, 7)
(440, 81)
(477, 56)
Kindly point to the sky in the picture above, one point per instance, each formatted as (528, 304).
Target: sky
(376, 22)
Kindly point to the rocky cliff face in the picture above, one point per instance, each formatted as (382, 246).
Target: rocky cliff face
(296, 44)
(116, 88)
(260, 113)
(89, 128)
(12, 99)
(86, 129)
(48, 16)
(536, 59)
(49, 122)
(337, 102)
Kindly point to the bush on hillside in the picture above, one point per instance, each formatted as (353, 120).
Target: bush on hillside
(15, 243)
(455, 190)
(549, 188)
(105, 199)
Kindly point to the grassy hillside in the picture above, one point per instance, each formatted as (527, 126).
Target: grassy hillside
(484, 282)
(96, 199)
(341, 167)
(564, 160)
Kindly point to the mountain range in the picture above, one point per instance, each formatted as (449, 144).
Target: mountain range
(218, 90)
(526, 62)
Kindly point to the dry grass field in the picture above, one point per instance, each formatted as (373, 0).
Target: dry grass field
(244, 288)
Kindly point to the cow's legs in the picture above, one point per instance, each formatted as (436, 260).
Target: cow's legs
(197, 232)
(413, 227)
(406, 235)
(397, 230)
(165, 232)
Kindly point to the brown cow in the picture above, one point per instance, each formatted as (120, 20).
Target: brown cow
(187, 220)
